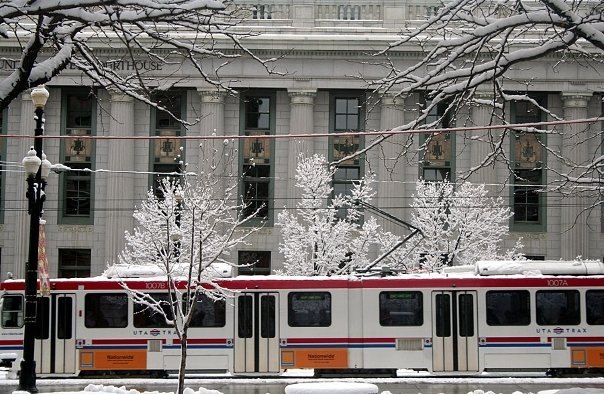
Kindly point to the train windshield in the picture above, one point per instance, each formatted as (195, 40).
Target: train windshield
(12, 311)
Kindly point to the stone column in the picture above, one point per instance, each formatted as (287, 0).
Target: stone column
(392, 189)
(26, 128)
(212, 112)
(301, 121)
(573, 223)
(479, 145)
(119, 197)
(212, 121)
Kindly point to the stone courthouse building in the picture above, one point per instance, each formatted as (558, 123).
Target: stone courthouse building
(323, 45)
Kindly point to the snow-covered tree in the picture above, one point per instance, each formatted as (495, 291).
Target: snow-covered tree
(56, 34)
(184, 231)
(488, 53)
(461, 225)
(327, 234)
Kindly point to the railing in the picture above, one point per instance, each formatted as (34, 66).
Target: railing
(267, 10)
(324, 13)
(348, 12)
(382, 13)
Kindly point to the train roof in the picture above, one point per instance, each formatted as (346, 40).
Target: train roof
(500, 274)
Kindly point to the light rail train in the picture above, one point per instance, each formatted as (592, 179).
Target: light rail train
(455, 322)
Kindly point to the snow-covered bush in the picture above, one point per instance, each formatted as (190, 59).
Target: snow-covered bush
(327, 234)
(460, 223)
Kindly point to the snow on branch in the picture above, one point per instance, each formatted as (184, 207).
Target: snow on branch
(56, 34)
(185, 230)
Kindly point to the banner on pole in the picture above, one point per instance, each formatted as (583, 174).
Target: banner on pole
(43, 262)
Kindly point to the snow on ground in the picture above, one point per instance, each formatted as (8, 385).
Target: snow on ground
(317, 387)
(326, 387)
(107, 386)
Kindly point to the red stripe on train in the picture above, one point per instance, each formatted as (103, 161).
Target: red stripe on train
(276, 283)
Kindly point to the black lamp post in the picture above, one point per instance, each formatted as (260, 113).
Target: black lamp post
(37, 169)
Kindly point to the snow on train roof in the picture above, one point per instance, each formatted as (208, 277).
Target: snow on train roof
(507, 269)
(545, 267)
(123, 271)
(481, 268)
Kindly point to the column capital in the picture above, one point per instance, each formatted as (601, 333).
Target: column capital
(392, 99)
(484, 95)
(302, 96)
(575, 100)
(120, 97)
(211, 96)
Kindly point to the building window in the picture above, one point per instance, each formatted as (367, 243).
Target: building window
(79, 108)
(347, 115)
(258, 121)
(165, 151)
(528, 154)
(437, 162)
(343, 182)
(254, 262)
(74, 263)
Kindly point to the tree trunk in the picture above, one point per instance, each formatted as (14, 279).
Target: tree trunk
(183, 363)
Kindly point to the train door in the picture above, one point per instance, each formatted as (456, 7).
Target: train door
(256, 332)
(454, 331)
(55, 337)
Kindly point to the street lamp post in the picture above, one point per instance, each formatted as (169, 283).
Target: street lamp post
(37, 169)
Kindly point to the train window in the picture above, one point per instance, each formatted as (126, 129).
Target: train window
(64, 317)
(106, 310)
(508, 308)
(309, 309)
(466, 315)
(443, 315)
(401, 308)
(12, 311)
(245, 309)
(267, 317)
(594, 299)
(558, 307)
(208, 312)
(42, 318)
(147, 317)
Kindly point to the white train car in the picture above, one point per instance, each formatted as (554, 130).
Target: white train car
(447, 323)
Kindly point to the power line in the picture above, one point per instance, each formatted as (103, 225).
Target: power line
(395, 131)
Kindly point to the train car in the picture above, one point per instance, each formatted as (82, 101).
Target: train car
(488, 319)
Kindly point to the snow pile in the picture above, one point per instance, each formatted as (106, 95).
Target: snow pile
(99, 388)
(307, 388)
(574, 390)
(331, 387)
